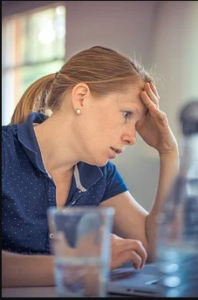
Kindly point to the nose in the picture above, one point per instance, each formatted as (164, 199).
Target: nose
(129, 139)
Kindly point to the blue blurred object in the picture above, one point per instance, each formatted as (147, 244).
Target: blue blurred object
(177, 244)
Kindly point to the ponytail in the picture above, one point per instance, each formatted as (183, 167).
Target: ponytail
(34, 100)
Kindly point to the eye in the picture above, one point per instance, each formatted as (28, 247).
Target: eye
(127, 115)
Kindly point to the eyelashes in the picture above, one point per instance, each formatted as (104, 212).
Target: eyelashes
(127, 115)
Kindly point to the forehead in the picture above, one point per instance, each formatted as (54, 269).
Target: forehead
(131, 97)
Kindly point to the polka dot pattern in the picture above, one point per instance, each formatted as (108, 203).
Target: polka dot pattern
(28, 191)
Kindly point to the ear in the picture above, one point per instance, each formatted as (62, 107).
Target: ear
(79, 93)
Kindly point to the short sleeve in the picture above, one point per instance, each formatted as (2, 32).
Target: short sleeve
(114, 182)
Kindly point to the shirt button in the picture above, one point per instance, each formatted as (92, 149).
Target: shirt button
(51, 235)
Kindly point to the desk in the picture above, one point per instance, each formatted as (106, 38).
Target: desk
(45, 292)
(35, 292)
(27, 292)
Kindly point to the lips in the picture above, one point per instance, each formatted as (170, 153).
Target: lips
(116, 150)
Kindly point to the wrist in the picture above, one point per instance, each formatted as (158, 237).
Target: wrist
(171, 153)
(170, 157)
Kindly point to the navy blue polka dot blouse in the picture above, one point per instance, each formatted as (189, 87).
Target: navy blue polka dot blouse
(28, 191)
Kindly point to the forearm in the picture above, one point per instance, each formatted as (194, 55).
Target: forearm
(169, 166)
(26, 270)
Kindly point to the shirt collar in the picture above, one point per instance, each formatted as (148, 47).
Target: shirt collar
(26, 136)
(89, 174)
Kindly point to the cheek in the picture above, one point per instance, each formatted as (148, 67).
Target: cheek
(101, 127)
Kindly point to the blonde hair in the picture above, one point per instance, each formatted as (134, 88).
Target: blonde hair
(104, 70)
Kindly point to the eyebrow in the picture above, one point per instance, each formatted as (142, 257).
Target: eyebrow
(136, 110)
(141, 116)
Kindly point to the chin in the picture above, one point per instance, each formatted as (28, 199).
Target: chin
(102, 164)
(98, 162)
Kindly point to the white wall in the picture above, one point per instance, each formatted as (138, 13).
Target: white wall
(175, 53)
(126, 26)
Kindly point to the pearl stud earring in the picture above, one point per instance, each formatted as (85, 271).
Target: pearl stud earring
(78, 111)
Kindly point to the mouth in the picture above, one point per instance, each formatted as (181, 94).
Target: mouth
(116, 150)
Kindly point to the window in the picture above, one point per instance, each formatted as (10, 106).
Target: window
(33, 46)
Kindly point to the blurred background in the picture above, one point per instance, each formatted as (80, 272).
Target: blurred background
(39, 36)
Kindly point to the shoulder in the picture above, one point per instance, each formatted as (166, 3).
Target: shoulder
(9, 135)
(90, 174)
(111, 175)
(8, 131)
(114, 182)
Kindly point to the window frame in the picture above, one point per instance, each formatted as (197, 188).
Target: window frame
(8, 108)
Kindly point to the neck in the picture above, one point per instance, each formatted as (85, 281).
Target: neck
(56, 144)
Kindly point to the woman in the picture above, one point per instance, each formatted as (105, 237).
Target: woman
(97, 102)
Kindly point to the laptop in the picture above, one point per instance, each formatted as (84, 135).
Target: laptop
(129, 281)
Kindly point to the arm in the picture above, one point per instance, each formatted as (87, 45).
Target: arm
(26, 270)
(156, 132)
(131, 220)
(168, 171)
(38, 270)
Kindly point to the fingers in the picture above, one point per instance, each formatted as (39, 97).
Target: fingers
(153, 87)
(124, 250)
(127, 256)
(150, 98)
(135, 245)
(151, 106)
(151, 91)
(139, 248)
